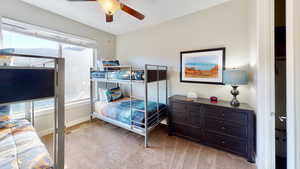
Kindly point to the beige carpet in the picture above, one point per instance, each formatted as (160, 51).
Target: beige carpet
(98, 145)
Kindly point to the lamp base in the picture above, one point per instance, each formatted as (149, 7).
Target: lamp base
(234, 102)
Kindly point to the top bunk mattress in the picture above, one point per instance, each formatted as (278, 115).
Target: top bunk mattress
(118, 75)
(120, 110)
(137, 75)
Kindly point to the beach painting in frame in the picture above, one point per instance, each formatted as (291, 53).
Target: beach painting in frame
(203, 66)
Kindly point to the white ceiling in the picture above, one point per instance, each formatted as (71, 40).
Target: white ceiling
(156, 11)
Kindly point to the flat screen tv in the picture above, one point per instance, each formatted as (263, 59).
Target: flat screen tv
(26, 84)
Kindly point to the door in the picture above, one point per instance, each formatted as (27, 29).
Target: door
(280, 85)
(280, 108)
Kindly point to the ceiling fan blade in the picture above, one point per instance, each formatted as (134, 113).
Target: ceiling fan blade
(109, 18)
(132, 12)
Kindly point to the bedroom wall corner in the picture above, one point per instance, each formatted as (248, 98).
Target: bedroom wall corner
(254, 53)
(253, 50)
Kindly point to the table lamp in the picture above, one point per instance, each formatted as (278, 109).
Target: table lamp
(235, 77)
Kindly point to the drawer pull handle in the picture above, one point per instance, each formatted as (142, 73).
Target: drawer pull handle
(223, 128)
(223, 114)
(223, 142)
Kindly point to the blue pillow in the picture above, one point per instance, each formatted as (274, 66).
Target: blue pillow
(139, 75)
(111, 63)
(115, 94)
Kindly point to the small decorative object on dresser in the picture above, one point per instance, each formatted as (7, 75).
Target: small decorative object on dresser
(235, 77)
(192, 95)
(213, 99)
(217, 125)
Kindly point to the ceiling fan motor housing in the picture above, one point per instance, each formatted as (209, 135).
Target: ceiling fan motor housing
(112, 6)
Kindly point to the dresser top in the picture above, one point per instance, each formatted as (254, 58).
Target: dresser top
(222, 103)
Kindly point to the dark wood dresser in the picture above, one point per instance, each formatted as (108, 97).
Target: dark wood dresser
(218, 125)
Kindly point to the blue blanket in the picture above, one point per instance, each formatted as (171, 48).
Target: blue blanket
(121, 111)
(118, 75)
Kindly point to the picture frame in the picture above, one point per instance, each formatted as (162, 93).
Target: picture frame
(203, 66)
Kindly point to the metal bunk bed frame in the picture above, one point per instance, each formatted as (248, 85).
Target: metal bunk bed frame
(59, 100)
(133, 128)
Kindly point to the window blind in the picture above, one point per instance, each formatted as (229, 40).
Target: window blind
(37, 31)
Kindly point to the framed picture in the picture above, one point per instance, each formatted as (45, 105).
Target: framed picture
(202, 66)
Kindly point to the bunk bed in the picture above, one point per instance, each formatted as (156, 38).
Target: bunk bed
(139, 115)
(20, 146)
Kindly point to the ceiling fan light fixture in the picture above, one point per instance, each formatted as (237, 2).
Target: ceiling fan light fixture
(110, 6)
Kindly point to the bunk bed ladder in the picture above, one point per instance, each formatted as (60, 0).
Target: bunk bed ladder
(146, 105)
(92, 96)
(131, 123)
(59, 115)
(157, 83)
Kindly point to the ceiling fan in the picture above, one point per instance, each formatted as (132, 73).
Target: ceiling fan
(112, 6)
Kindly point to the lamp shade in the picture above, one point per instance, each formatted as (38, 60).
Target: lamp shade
(235, 77)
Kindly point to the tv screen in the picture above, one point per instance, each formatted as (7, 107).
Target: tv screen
(26, 84)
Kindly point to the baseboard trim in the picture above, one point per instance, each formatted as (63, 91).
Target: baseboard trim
(77, 121)
(68, 124)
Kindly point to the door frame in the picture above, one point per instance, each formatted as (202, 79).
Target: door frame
(293, 82)
(265, 84)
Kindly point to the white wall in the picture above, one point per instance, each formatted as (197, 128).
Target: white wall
(225, 25)
(20, 11)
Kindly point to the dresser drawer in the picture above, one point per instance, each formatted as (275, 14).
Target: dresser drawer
(190, 132)
(195, 115)
(227, 143)
(225, 114)
(179, 107)
(178, 113)
(221, 126)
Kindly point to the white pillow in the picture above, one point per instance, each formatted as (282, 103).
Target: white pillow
(103, 96)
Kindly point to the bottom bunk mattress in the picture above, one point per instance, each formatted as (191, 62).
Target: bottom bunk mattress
(21, 148)
(120, 111)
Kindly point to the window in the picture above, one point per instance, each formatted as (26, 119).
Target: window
(29, 45)
(78, 61)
